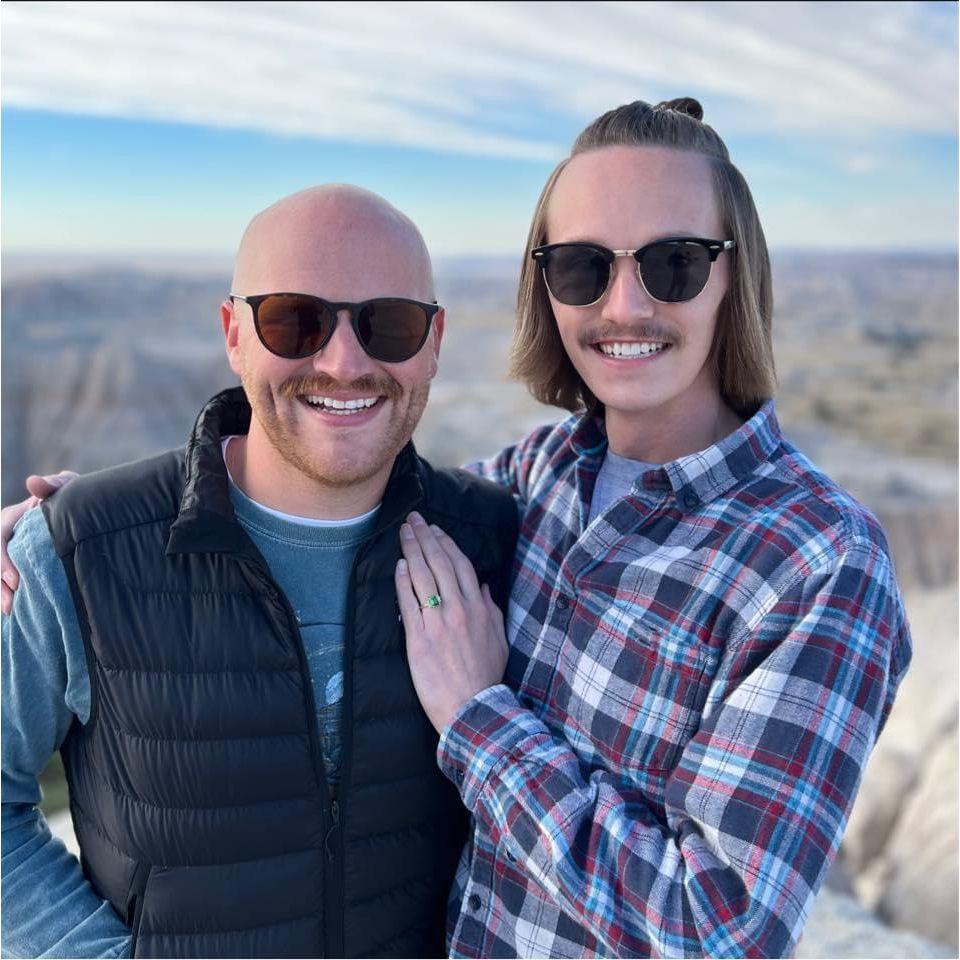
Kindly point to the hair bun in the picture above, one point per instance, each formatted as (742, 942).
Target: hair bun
(686, 105)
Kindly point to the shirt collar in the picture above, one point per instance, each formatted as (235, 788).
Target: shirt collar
(705, 475)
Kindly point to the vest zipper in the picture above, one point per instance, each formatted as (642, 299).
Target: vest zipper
(328, 819)
(333, 898)
(335, 921)
(331, 838)
(333, 885)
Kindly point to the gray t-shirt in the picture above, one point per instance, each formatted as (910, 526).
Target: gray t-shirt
(616, 478)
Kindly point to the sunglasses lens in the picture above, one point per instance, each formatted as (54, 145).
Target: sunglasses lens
(292, 326)
(392, 330)
(675, 271)
(576, 275)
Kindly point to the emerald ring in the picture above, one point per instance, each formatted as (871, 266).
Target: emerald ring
(432, 601)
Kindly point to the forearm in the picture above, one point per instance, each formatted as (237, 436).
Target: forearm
(600, 850)
(49, 908)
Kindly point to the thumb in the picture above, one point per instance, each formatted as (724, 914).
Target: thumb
(490, 602)
(49, 484)
(496, 614)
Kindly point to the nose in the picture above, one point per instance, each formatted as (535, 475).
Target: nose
(342, 357)
(626, 299)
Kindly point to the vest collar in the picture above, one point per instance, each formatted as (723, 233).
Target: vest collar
(206, 521)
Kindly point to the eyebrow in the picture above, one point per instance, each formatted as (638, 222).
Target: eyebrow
(668, 235)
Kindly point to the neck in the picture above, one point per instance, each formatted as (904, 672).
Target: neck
(270, 480)
(686, 425)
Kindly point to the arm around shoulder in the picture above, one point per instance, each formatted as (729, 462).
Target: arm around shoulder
(49, 909)
(515, 466)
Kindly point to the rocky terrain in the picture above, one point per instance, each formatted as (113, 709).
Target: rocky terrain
(108, 364)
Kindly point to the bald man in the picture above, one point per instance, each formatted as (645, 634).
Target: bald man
(211, 638)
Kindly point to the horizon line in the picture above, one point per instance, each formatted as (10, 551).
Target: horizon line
(228, 255)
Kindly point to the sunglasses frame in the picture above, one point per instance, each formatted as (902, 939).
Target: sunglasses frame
(334, 307)
(541, 255)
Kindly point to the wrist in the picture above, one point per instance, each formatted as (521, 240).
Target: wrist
(475, 737)
(443, 718)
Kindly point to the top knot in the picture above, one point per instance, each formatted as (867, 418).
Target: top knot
(686, 105)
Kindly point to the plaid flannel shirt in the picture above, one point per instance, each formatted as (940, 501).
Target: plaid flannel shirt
(695, 683)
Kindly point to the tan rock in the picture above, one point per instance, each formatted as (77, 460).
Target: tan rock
(891, 775)
(922, 887)
(925, 710)
(839, 926)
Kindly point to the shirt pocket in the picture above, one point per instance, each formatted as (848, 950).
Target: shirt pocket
(631, 694)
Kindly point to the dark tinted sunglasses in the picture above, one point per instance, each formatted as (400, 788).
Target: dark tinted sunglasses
(297, 325)
(671, 270)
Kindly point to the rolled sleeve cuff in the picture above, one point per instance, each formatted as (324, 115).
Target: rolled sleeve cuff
(486, 731)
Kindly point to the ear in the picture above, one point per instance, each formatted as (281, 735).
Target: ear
(436, 333)
(231, 334)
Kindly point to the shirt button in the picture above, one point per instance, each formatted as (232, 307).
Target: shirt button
(562, 602)
(474, 902)
(690, 499)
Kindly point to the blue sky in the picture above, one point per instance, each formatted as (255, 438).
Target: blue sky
(138, 128)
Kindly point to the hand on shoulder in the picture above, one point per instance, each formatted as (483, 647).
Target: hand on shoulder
(39, 488)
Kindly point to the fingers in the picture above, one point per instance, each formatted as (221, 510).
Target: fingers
(410, 611)
(48, 485)
(10, 516)
(423, 582)
(430, 568)
(9, 575)
(496, 616)
(462, 567)
(491, 604)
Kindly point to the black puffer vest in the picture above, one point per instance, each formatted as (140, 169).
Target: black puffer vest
(197, 787)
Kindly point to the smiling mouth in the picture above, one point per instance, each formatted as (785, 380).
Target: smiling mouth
(340, 407)
(621, 350)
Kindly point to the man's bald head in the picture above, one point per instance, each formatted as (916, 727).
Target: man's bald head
(336, 241)
(344, 245)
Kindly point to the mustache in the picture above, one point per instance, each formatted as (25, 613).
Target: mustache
(323, 385)
(644, 331)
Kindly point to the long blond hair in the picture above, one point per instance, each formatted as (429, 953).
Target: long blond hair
(742, 352)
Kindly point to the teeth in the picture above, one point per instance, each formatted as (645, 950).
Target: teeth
(631, 349)
(341, 407)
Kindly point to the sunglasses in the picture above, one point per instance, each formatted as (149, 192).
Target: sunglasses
(297, 325)
(671, 271)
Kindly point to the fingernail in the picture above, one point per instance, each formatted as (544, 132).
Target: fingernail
(402, 566)
(416, 518)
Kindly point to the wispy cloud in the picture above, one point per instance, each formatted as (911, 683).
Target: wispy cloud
(479, 77)
(861, 163)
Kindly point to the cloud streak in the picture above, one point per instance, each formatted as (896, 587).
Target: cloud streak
(487, 78)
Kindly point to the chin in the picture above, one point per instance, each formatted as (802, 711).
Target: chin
(341, 468)
(630, 403)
